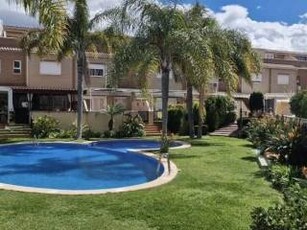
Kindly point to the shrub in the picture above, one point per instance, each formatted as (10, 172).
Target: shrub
(44, 126)
(292, 214)
(280, 176)
(220, 112)
(298, 104)
(109, 134)
(87, 134)
(256, 102)
(175, 118)
(132, 127)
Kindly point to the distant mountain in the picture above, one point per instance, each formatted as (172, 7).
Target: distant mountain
(16, 19)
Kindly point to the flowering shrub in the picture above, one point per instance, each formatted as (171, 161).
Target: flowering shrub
(44, 126)
(132, 127)
(277, 135)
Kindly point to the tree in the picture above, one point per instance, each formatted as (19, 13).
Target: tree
(65, 35)
(114, 110)
(224, 53)
(152, 48)
(298, 104)
(256, 103)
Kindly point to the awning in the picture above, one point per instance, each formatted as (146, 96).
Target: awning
(25, 89)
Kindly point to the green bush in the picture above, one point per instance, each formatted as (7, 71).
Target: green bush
(298, 104)
(87, 134)
(291, 214)
(132, 127)
(176, 115)
(219, 112)
(280, 176)
(44, 126)
(256, 100)
(109, 134)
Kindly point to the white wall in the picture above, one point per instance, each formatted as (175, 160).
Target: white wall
(97, 122)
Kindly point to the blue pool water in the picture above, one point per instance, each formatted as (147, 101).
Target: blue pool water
(66, 166)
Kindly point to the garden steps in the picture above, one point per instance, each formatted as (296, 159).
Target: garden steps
(15, 131)
(152, 130)
(227, 131)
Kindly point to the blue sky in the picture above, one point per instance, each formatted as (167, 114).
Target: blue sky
(264, 10)
(269, 24)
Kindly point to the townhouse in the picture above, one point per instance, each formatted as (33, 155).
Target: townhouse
(282, 75)
(32, 83)
(28, 82)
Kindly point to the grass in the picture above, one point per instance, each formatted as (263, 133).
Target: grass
(218, 185)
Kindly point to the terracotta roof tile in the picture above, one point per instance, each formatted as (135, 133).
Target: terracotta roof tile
(14, 49)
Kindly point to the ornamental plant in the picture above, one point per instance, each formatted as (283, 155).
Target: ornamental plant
(44, 126)
(285, 138)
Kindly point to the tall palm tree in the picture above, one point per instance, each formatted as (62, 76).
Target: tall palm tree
(224, 53)
(72, 36)
(153, 46)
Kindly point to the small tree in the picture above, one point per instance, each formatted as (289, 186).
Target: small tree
(298, 104)
(113, 110)
(256, 102)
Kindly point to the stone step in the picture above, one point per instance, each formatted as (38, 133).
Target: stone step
(225, 131)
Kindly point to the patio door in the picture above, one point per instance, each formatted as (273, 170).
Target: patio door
(21, 106)
(4, 107)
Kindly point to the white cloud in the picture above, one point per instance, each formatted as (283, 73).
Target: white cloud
(10, 5)
(258, 7)
(269, 35)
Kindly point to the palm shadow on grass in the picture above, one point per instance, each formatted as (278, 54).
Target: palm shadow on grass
(182, 156)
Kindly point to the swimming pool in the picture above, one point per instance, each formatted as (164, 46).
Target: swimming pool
(78, 167)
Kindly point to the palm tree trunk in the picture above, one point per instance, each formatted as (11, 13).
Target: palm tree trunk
(201, 112)
(189, 103)
(165, 91)
(80, 67)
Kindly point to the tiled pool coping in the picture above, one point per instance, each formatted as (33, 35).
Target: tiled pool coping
(163, 179)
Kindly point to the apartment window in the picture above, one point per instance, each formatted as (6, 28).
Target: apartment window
(17, 67)
(50, 68)
(279, 56)
(256, 77)
(269, 56)
(301, 58)
(96, 70)
(282, 79)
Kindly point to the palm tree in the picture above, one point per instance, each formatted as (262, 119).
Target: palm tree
(224, 53)
(72, 36)
(114, 110)
(153, 46)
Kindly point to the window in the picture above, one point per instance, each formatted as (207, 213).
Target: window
(96, 70)
(269, 56)
(17, 67)
(46, 102)
(301, 58)
(279, 56)
(282, 79)
(50, 68)
(256, 77)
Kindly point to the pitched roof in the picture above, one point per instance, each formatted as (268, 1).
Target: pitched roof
(16, 19)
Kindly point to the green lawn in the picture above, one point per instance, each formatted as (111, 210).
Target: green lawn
(217, 187)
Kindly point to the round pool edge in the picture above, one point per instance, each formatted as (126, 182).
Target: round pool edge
(165, 178)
